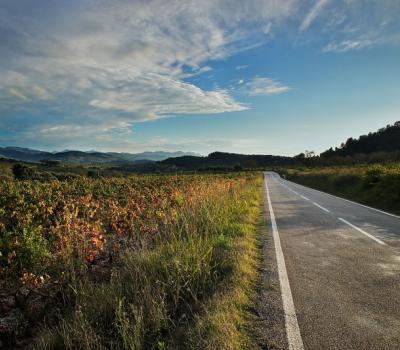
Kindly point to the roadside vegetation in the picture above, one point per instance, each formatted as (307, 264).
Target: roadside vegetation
(138, 262)
(376, 185)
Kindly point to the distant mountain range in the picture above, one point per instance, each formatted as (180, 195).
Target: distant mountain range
(32, 155)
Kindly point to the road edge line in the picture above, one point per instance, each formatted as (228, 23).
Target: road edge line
(292, 327)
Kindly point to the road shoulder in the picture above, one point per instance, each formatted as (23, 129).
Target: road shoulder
(268, 325)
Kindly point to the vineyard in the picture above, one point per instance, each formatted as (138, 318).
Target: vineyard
(139, 262)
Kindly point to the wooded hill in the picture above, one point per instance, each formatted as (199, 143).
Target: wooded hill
(384, 140)
(221, 160)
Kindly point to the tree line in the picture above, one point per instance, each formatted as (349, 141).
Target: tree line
(386, 139)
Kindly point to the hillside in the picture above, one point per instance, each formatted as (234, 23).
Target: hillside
(227, 160)
(384, 140)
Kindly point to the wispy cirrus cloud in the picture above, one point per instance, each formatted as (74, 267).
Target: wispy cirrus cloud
(343, 25)
(312, 14)
(347, 45)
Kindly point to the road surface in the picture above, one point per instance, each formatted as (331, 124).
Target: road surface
(339, 269)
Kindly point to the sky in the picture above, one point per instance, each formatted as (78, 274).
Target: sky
(254, 76)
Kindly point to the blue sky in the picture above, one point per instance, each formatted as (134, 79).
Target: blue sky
(270, 77)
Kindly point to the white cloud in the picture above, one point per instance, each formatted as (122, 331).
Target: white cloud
(347, 45)
(93, 62)
(344, 25)
(165, 96)
(40, 93)
(15, 93)
(264, 86)
(313, 13)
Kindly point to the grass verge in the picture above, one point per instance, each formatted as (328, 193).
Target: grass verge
(374, 185)
(226, 317)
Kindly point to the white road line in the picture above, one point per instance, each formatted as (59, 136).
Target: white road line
(363, 232)
(344, 199)
(305, 198)
(292, 327)
(293, 191)
(321, 207)
(287, 187)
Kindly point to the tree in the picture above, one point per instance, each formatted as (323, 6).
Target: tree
(309, 154)
(300, 156)
(329, 153)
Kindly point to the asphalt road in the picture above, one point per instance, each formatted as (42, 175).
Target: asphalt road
(342, 263)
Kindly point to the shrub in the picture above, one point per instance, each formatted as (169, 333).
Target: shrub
(23, 172)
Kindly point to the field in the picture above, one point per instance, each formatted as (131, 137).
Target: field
(139, 262)
(376, 185)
